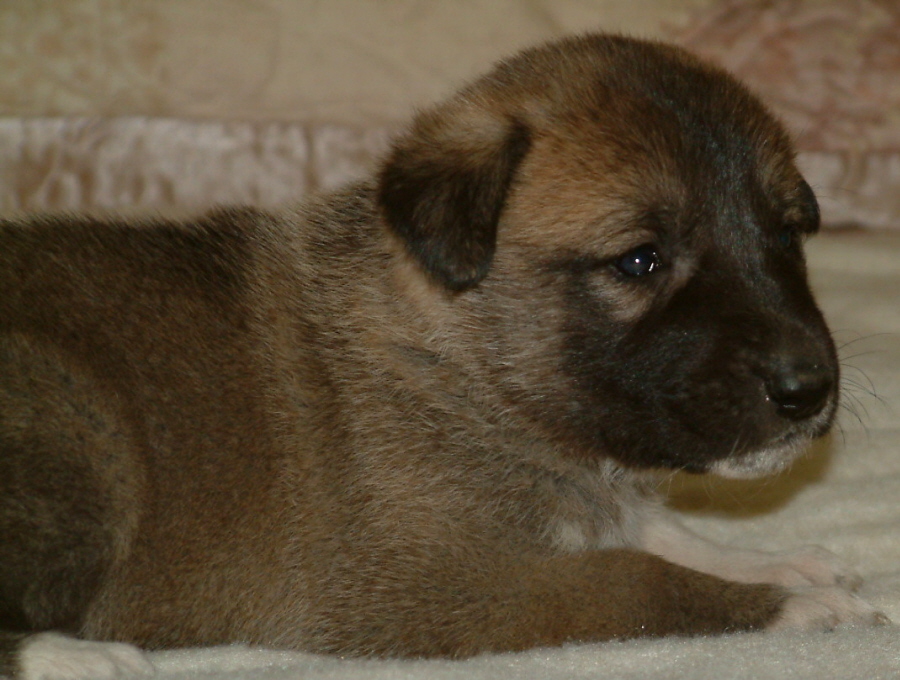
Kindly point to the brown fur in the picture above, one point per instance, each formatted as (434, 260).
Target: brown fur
(396, 420)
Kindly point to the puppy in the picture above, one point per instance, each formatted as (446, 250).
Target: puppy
(424, 415)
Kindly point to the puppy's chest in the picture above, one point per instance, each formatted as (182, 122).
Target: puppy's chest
(587, 509)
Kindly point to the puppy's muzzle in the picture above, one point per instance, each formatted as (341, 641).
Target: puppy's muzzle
(802, 394)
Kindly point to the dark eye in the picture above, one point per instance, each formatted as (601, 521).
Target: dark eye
(641, 261)
(787, 237)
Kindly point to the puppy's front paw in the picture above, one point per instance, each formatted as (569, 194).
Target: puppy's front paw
(810, 566)
(50, 656)
(826, 608)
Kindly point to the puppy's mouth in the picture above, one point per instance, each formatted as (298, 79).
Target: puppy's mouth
(799, 400)
(779, 453)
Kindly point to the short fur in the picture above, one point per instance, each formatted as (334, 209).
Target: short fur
(421, 416)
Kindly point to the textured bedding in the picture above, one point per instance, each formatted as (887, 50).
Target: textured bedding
(176, 103)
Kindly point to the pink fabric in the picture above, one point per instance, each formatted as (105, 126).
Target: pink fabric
(76, 163)
(208, 79)
(831, 70)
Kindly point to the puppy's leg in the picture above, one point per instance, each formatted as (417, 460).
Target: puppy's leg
(522, 602)
(51, 656)
(817, 580)
(67, 487)
(810, 566)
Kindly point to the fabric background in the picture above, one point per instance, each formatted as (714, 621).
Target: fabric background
(152, 103)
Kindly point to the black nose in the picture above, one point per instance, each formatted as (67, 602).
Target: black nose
(800, 391)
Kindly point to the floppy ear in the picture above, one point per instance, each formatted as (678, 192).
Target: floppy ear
(444, 186)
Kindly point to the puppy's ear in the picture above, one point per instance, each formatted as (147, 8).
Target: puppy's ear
(444, 186)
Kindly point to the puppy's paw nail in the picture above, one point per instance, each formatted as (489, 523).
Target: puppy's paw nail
(850, 581)
(881, 619)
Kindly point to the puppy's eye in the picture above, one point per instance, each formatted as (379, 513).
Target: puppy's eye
(789, 236)
(641, 261)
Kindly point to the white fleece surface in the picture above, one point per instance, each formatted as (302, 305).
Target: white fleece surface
(845, 496)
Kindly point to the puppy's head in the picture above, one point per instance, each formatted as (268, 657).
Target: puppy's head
(620, 227)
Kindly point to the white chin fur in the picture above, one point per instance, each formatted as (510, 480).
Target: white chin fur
(771, 459)
(768, 461)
